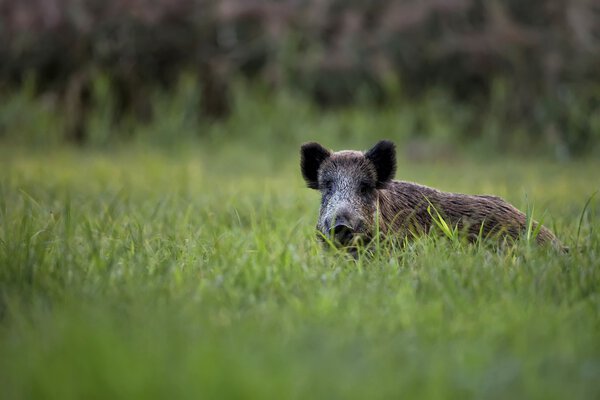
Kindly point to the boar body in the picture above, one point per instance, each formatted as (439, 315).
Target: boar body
(406, 208)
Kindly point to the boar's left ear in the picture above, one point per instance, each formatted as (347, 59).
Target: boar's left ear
(311, 156)
(383, 156)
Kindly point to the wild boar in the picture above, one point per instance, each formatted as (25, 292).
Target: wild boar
(360, 198)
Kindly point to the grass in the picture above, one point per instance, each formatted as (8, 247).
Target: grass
(135, 272)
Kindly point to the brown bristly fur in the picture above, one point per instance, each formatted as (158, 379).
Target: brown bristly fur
(406, 206)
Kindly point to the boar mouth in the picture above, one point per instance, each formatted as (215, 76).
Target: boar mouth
(350, 241)
(354, 240)
(357, 242)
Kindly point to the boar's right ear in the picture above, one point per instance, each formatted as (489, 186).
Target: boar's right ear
(383, 156)
(311, 156)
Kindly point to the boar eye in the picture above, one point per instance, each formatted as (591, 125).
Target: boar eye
(365, 188)
(327, 184)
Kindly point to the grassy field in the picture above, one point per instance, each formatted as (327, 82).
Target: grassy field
(195, 273)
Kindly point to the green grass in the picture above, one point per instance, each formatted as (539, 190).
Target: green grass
(196, 274)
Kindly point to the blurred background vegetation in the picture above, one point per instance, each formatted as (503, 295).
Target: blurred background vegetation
(507, 75)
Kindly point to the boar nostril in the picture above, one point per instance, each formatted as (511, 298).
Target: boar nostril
(343, 233)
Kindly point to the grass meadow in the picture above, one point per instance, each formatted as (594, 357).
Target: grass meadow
(192, 271)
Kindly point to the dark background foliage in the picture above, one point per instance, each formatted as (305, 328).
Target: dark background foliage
(534, 65)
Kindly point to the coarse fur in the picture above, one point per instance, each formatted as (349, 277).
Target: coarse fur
(359, 193)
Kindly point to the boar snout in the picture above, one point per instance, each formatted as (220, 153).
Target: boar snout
(343, 228)
(343, 233)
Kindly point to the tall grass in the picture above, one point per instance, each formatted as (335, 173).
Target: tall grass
(142, 273)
